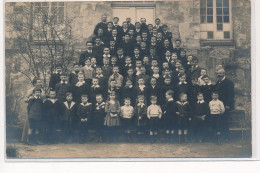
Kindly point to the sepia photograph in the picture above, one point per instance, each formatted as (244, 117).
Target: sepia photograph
(128, 79)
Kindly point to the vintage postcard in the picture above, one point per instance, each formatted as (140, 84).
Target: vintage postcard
(128, 79)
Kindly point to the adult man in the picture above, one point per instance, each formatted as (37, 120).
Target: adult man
(225, 89)
(102, 24)
(157, 25)
(86, 54)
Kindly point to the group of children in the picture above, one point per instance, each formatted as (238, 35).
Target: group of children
(132, 79)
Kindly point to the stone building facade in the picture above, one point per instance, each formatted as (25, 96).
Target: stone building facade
(184, 19)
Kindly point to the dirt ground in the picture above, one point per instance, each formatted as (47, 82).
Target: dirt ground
(134, 150)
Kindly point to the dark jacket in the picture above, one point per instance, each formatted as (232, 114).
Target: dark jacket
(35, 109)
(85, 111)
(52, 110)
(69, 112)
(61, 90)
(83, 56)
(55, 78)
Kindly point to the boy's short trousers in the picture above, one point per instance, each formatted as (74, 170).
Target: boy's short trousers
(183, 122)
(216, 122)
(154, 123)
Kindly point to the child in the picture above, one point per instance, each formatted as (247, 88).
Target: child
(194, 71)
(99, 116)
(128, 91)
(127, 113)
(101, 78)
(194, 90)
(154, 63)
(189, 62)
(130, 75)
(140, 112)
(174, 58)
(143, 49)
(80, 88)
(168, 57)
(207, 89)
(120, 58)
(95, 89)
(93, 63)
(203, 72)
(88, 71)
(62, 87)
(154, 89)
(84, 114)
(143, 75)
(73, 77)
(200, 112)
(182, 86)
(69, 119)
(52, 108)
(112, 109)
(183, 111)
(141, 88)
(55, 77)
(106, 54)
(183, 57)
(113, 61)
(169, 115)
(128, 64)
(138, 65)
(137, 55)
(107, 70)
(217, 110)
(112, 88)
(34, 111)
(156, 75)
(154, 114)
(112, 47)
(167, 85)
(146, 62)
(117, 77)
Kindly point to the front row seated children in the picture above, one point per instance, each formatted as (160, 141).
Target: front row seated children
(169, 115)
(34, 110)
(69, 119)
(200, 113)
(112, 120)
(52, 111)
(154, 114)
(217, 110)
(84, 114)
(183, 110)
(127, 113)
(140, 115)
(99, 117)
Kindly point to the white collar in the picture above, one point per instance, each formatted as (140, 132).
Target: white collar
(106, 55)
(99, 75)
(71, 105)
(55, 72)
(86, 104)
(141, 87)
(95, 86)
(53, 100)
(202, 101)
(223, 78)
(208, 83)
(140, 104)
(130, 86)
(182, 103)
(171, 99)
(182, 82)
(37, 97)
(78, 84)
(66, 82)
(156, 75)
(73, 72)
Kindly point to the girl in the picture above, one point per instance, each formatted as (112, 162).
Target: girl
(112, 109)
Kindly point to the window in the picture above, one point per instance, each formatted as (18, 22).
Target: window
(215, 19)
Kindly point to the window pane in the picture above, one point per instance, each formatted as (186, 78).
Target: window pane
(219, 3)
(203, 11)
(219, 27)
(219, 19)
(219, 11)
(209, 3)
(210, 11)
(226, 10)
(226, 19)
(226, 3)
(37, 4)
(203, 19)
(61, 3)
(210, 35)
(44, 3)
(210, 19)
(226, 34)
(54, 3)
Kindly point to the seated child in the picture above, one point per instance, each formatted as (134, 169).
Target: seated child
(154, 114)
(183, 110)
(127, 113)
(84, 113)
(217, 110)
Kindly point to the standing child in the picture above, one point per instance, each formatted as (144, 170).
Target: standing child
(199, 118)
(183, 110)
(167, 85)
(84, 113)
(55, 77)
(127, 113)
(34, 110)
(154, 114)
(89, 72)
(203, 72)
(69, 119)
(128, 91)
(207, 88)
(112, 110)
(73, 77)
(217, 110)
(93, 61)
(62, 87)
(169, 115)
(52, 110)
(99, 117)
(80, 88)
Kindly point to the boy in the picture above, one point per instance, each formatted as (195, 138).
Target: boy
(138, 65)
(73, 77)
(99, 75)
(154, 114)
(120, 58)
(128, 64)
(143, 75)
(93, 61)
(117, 77)
(113, 61)
(207, 89)
(34, 111)
(94, 90)
(55, 77)
(153, 89)
(137, 55)
(143, 49)
(80, 88)
(169, 115)
(88, 71)
(112, 47)
(154, 63)
(217, 110)
(128, 91)
(62, 87)
(52, 108)
(194, 71)
(168, 57)
(183, 110)
(127, 113)
(112, 88)
(141, 88)
(107, 70)
(156, 75)
(69, 119)
(84, 114)
(106, 54)
(167, 85)
(99, 116)
(182, 86)
(200, 112)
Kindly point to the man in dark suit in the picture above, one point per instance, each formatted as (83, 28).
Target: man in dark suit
(144, 26)
(98, 50)
(166, 34)
(157, 25)
(102, 24)
(128, 46)
(117, 27)
(86, 54)
(225, 89)
(130, 25)
(178, 48)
